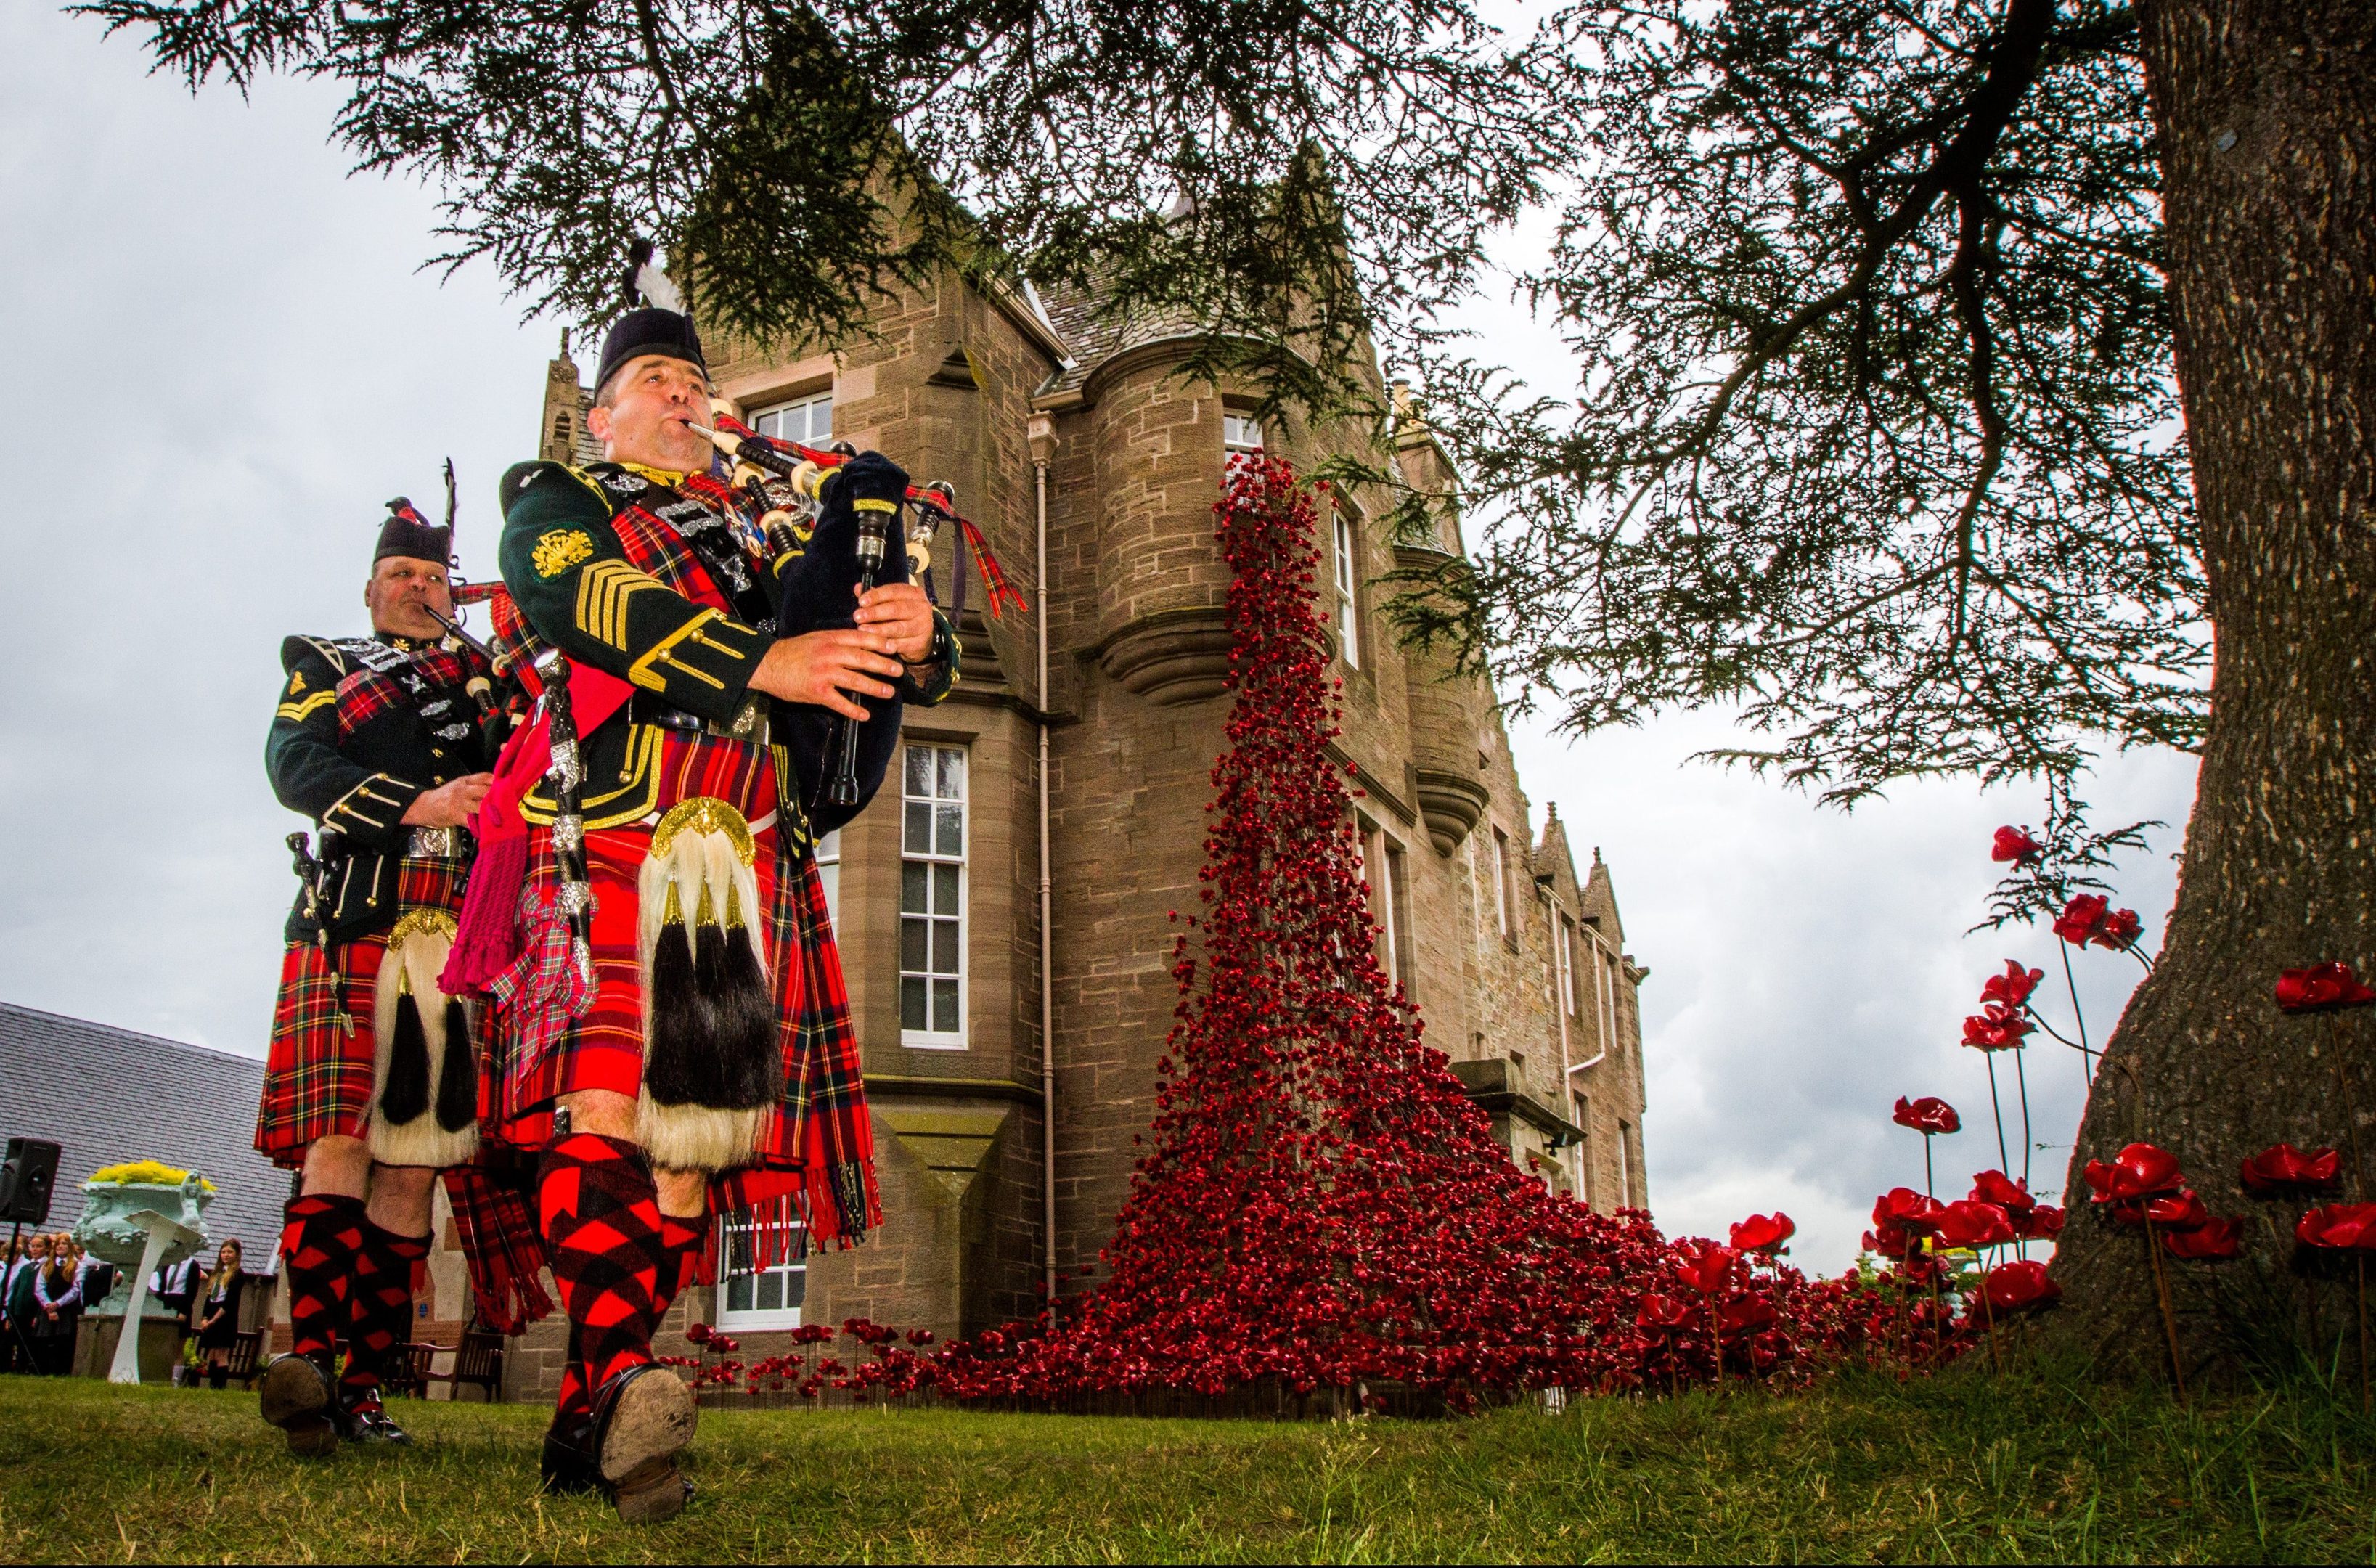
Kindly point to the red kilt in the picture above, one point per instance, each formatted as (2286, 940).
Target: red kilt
(317, 1077)
(817, 1145)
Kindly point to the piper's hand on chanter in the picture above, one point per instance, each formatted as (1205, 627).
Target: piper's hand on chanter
(450, 805)
(902, 613)
(830, 669)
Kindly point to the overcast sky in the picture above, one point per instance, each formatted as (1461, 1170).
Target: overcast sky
(228, 359)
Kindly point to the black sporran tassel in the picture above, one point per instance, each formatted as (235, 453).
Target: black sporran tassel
(406, 1094)
(683, 1052)
(457, 1078)
(750, 1065)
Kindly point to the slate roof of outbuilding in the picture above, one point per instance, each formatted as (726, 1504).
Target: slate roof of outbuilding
(107, 1095)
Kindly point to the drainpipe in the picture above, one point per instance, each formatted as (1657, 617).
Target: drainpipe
(1042, 434)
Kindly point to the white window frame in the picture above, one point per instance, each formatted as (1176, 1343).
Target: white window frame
(1241, 433)
(1580, 1107)
(1570, 1004)
(1386, 867)
(1345, 525)
(756, 1318)
(773, 418)
(929, 1038)
(1501, 884)
(1608, 969)
(828, 863)
(1624, 1166)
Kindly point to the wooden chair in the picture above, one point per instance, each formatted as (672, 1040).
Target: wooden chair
(401, 1374)
(246, 1358)
(478, 1360)
(415, 1374)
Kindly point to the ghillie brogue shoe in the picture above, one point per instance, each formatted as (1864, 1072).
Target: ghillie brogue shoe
(298, 1395)
(643, 1418)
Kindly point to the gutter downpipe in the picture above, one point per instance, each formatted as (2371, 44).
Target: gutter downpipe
(1043, 438)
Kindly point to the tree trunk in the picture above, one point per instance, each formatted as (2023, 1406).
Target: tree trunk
(2266, 117)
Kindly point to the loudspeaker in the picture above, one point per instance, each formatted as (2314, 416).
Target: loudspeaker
(25, 1178)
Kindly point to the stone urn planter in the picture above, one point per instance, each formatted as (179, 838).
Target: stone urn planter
(141, 1217)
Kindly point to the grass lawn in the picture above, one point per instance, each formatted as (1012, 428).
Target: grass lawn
(1955, 1470)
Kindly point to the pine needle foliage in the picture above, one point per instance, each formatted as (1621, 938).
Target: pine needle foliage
(1271, 176)
(1876, 439)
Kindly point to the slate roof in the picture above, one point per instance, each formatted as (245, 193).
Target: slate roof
(1096, 334)
(107, 1095)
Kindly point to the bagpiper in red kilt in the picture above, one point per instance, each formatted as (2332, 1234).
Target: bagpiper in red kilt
(700, 1039)
(372, 1078)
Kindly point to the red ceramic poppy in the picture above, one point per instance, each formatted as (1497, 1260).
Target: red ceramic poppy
(1995, 1027)
(2340, 1225)
(1661, 1314)
(2140, 1170)
(1918, 1268)
(1971, 1224)
(2210, 1241)
(2040, 1224)
(2015, 844)
(2321, 988)
(2121, 928)
(2083, 918)
(2283, 1170)
(1763, 1232)
(1744, 1313)
(1889, 1241)
(2180, 1210)
(2012, 988)
(1929, 1114)
(2021, 1286)
(1905, 1209)
(1703, 1265)
(1996, 1187)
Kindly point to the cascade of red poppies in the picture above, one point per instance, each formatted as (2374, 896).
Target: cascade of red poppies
(1320, 1206)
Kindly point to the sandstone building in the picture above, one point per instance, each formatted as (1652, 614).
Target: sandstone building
(1517, 962)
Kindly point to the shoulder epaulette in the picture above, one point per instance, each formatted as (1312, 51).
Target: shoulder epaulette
(297, 651)
(519, 477)
(323, 661)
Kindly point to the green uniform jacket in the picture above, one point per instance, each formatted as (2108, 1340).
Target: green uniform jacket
(359, 788)
(575, 586)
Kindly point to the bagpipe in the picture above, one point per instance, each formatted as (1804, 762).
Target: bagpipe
(780, 491)
(801, 494)
(805, 469)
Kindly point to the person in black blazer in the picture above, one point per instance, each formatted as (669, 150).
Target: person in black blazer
(214, 1314)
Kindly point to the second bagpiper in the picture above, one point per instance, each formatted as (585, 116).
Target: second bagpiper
(372, 1083)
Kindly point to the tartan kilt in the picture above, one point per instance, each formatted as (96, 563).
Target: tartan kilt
(817, 1146)
(317, 1075)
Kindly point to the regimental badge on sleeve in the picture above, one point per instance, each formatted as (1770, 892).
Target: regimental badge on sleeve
(558, 550)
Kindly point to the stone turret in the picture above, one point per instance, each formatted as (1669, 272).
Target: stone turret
(1162, 587)
(562, 436)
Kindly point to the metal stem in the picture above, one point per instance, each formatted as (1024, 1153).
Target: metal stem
(2077, 1012)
